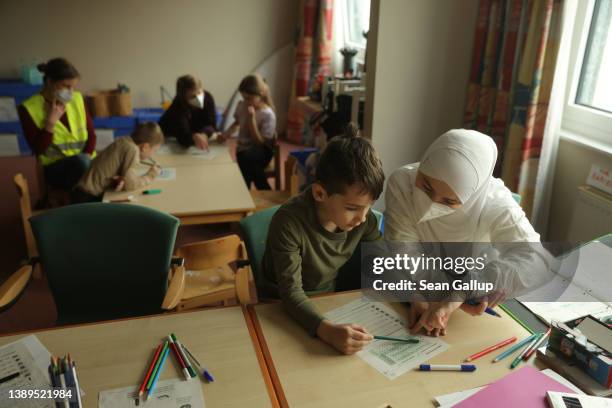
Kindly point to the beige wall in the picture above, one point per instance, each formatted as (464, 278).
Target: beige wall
(418, 73)
(149, 43)
(572, 169)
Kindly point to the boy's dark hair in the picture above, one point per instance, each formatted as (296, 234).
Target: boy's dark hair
(58, 69)
(148, 132)
(350, 159)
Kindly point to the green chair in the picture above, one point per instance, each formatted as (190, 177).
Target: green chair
(255, 228)
(105, 261)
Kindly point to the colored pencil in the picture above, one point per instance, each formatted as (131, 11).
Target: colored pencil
(541, 340)
(76, 381)
(519, 358)
(156, 368)
(161, 365)
(512, 349)
(149, 371)
(491, 349)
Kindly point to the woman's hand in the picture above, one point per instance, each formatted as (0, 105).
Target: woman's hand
(55, 111)
(200, 140)
(346, 338)
(435, 319)
(491, 300)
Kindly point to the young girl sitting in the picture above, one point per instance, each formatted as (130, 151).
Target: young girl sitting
(117, 165)
(192, 116)
(255, 121)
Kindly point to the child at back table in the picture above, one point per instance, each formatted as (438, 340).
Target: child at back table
(312, 235)
(117, 165)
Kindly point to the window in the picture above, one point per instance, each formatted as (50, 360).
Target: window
(588, 112)
(357, 21)
(595, 86)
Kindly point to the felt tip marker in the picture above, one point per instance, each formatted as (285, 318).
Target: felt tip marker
(447, 367)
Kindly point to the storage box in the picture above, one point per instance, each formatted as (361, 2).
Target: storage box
(591, 358)
(103, 104)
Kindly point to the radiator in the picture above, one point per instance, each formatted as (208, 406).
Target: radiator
(592, 216)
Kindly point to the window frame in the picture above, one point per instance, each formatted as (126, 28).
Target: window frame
(591, 123)
(346, 33)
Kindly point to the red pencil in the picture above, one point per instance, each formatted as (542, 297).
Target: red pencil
(144, 383)
(536, 345)
(490, 349)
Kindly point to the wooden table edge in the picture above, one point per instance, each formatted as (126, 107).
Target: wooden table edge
(281, 400)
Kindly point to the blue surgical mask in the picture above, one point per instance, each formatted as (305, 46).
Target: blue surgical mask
(64, 95)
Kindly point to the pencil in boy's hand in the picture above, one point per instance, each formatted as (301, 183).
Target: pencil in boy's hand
(412, 341)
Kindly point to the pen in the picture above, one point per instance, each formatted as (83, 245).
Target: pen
(412, 341)
(447, 367)
(488, 310)
(9, 377)
(183, 355)
(205, 373)
(519, 358)
(179, 358)
(537, 344)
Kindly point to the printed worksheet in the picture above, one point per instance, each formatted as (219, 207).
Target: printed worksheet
(167, 394)
(391, 358)
(209, 154)
(16, 361)
(167, 173)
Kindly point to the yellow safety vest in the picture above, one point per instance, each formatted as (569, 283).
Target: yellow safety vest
(66, 141)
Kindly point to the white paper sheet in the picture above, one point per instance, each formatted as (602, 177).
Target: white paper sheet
(16, 357)
(449, 400)
(209, 154)
(9, 145)
(391, 358)
(579, 289)
(166, 174)
(167, 394)
(172, 147)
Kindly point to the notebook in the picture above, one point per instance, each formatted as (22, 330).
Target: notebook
(525, 388)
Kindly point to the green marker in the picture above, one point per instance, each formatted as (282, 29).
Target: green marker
(152, 191)
(412, 341)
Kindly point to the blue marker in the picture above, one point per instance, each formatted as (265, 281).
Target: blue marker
(447, 367)
(488, 310)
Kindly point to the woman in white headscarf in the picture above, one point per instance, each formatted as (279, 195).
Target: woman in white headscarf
(452, 196)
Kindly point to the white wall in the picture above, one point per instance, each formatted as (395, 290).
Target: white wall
(572, 169)
(418, 73)
(146, 44)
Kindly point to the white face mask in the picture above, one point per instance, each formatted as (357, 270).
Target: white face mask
(64, 95)
(198, 101)
(426, 209)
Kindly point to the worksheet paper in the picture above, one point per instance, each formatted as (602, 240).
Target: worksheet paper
(391, 358)
(577, 290)
(16, 358)
(166, 174)
(167, 394)
(174, 148)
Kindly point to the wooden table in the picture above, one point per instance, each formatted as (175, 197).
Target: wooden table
(203, 194)
(115, 354)
(308, 373)
(178, 156)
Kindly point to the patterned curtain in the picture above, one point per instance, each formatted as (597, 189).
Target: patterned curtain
(313, 56)
(515, 51)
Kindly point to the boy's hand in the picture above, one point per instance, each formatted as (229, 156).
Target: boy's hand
(154, 171)
(200, 140)
(435, 319)
(346, 338)
(119, 183)
(491, 300)
(222, 137)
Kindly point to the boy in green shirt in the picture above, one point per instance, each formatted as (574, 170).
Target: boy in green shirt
(312, 235)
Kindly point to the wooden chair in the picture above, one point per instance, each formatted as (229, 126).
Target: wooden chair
(274, 168)
(25, 205)
(269, 198)
(215, 271)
